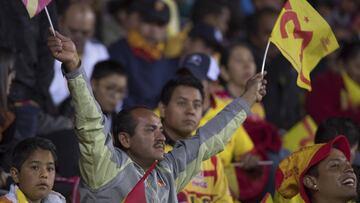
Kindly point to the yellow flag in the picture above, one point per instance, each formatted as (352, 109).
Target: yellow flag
(303, 37)
(300, 135)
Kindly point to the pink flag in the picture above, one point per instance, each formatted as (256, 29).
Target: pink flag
(34, 7)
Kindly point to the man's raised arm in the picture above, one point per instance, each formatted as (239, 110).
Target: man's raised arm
(96, 148)
(187, 155)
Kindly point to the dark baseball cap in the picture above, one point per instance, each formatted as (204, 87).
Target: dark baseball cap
(152, 11)
(202, 66)
(209, 34)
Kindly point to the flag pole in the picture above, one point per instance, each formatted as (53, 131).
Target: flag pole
(263, 63)
(50, 21)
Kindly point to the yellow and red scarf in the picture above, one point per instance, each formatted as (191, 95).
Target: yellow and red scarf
(143, 49)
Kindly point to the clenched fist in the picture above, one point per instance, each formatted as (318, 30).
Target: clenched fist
(64, 50)
(255, 89)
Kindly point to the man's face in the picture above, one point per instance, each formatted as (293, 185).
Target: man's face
(36, 176)
(152, 33)
(109, 91)
(336, 177)
(241, 66)
(148, 142)
(79, 25)
(183, 112)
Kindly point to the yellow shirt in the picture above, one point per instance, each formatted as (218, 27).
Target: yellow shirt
(210, 185)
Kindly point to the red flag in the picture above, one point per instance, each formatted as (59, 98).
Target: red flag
(137, 194)
(34, 7)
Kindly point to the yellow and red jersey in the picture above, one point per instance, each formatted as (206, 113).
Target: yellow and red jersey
(210, 185)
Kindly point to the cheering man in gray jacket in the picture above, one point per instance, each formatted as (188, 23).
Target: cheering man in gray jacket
(112, 163)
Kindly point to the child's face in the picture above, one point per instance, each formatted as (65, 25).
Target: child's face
(109, 91)
(36, 176)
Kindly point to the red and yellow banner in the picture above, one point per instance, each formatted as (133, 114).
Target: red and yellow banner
(303, 37)
(34, 7)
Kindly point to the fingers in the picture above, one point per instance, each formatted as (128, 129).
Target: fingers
(264, 74)
(264, 82)
(262, 92)
(54, 44)
(260, 75)
(52, 41)
(51, 33)
(57, 37)
(249, 161)
(257, 76)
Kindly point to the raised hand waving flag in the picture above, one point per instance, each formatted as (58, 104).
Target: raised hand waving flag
(303, 37)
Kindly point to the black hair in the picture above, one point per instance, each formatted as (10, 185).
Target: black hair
(254, 20)
(114, 6)
(7, 60)
(202, 8)
(229, 49)
(182, 79)
(148, 13)
(314, 172)
(349, 51)
(24, 149)
(105, 68)
(125, 122)
(214, 46)
(333, 127)
(328, 3)
(204, 33)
